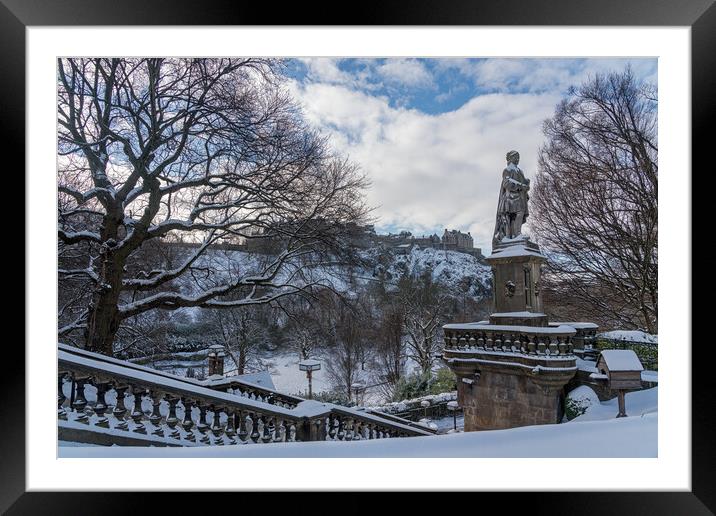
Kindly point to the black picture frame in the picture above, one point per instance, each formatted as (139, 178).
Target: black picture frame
(700, 15)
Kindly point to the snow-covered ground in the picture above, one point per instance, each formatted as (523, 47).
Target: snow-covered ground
(288, 379)
(630, 336)
(597, 433)
(637, 404)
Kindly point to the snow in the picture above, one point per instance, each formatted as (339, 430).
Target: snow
(515, 250)
(534, 330)
(621, 360)
(630, 336)
(580, 325)
(639, 404)
(262, 379)
(518, 314)
(289, 379)
(634, 436)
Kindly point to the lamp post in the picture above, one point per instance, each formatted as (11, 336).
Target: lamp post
(358, 391)
(425, 404)
(309, 365)
(452, 407)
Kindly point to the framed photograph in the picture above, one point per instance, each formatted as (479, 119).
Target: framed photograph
(433, 233)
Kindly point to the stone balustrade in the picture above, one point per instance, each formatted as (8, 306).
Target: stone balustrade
(119, 400)
(547, 341)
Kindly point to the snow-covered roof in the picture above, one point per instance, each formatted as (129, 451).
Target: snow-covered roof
(621, 360)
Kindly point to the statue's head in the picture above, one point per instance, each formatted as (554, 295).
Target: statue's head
(513, 157)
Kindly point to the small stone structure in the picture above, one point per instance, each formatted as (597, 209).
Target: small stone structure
(512, 368)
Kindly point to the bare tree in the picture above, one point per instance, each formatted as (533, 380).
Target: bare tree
(345, 341)
(388, 337)
(241, 331)
(198, 150)
(594, 202)
(424, 303)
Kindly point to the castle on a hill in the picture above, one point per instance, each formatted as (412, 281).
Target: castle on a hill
(362, 236)
(451, 240)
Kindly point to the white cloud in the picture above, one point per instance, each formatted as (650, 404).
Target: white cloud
(325, 69)
(408, 72)
(430, 171)
(543, 74)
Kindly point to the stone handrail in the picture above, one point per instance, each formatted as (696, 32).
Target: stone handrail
(231, 385)
(130, 400)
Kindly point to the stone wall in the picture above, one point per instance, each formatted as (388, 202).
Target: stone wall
(498, 400)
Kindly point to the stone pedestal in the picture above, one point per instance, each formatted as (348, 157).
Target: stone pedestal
(512, 369)
(516, 273)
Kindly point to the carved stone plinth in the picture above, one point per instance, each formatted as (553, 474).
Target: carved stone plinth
(506, 389)
(516, 273)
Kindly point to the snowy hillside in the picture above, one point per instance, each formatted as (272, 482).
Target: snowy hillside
(459, 272)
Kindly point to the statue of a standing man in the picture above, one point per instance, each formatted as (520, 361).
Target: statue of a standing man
(512, 205)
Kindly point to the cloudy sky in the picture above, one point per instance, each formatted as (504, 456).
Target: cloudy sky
(432, 134)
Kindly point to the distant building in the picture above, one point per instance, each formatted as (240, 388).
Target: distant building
(455, 240)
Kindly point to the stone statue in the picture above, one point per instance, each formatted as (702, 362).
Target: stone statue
(512, 204)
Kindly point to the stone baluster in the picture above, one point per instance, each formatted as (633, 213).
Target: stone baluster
(506, 343)
(497, 343)
(203, 426)
(541, 348)
(156, 417)
(172, 419)
(371, 431)
(80, 402)
(266, 422)
(480, 342)
(280, 432)
(562, 344)
(243, 433)
(349, 429)
(321, 432)
(553, 348)
(341, 430)
(255, 427)
(216, 429)
(570, 346)
(289, 430)
(137, 414)
(230, 429)
(471, 342)
(462, 342)
(453, 341)
(358, 434)
(61, 414)
(101, 406)
(531, 346)
(332, 426)
(188, 423)
(120, 409)
(488, 342)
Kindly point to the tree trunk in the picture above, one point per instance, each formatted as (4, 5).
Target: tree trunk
(241, 366)
(103, 319)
